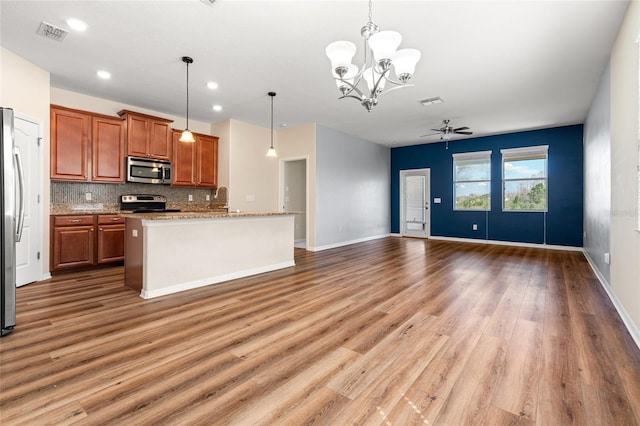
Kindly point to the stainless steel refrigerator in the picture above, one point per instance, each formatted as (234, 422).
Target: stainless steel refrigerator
(12, 204)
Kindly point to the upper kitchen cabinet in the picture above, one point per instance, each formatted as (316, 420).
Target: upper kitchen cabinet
(107, 149)
(195, 164)
(86, 146)
(70, 132)
(147, 136)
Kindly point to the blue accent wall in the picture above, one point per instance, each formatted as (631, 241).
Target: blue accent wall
(565, 189)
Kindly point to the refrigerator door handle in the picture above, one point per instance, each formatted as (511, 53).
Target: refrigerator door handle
(20, 169)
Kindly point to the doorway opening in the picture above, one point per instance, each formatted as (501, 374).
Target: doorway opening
(293, 195)
(415, 217)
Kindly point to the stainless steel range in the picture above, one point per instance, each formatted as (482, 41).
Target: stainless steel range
(142, 203)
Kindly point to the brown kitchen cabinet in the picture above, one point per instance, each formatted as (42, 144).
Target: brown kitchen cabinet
(86, 146)
(72, 242)
(195, 164)
(147, 136)
(69, 140)
(83, 241)
(110, 239)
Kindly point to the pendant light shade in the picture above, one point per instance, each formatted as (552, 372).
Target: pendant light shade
(271, 152)
(187, 136)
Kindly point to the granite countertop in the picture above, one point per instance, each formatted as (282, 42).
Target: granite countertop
(114, 208)
(200, 215)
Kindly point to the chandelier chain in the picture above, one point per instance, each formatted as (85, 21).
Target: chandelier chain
(370, 6)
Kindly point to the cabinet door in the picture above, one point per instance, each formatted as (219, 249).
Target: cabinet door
(73, 246)
(207, 159)
(110, 243)
(184, 166)
(137, 136)
(107, 149)
(160, 140)
(69, 136)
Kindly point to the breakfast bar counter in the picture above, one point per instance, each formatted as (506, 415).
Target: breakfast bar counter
(170, 252)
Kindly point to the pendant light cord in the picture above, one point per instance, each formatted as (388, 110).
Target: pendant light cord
(187, 95)
(271, 121)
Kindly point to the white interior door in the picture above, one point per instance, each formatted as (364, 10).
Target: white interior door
(414, 208)
(28, 263)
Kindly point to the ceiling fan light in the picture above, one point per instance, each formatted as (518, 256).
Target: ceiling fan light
(384, 45)
(405, 63)
(340, 54)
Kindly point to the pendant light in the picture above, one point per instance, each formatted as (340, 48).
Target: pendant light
(272, 151)
(187, 136)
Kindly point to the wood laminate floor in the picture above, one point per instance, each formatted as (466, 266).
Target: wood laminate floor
(388, 332)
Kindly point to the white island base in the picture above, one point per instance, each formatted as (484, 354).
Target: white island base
(172, 252)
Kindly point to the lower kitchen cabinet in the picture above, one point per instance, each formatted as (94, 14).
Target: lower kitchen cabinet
(110, 238)
(76, 244)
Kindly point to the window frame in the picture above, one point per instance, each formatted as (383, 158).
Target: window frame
(469, 156)
(521, 154)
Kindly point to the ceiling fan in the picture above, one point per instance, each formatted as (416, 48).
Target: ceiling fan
(447, 131)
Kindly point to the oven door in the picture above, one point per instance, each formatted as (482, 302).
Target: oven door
(148, 171)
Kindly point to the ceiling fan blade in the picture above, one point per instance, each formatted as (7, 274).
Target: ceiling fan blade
(437, 130)
(462, 133)
(430, 134)
(461, 128)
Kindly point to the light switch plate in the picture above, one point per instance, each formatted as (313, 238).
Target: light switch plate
(437, 200)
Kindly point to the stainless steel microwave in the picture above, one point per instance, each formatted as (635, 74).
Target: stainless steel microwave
(146, 170)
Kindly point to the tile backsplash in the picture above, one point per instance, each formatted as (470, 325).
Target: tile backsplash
(75, 193)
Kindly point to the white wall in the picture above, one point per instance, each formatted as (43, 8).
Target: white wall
(253, 177)
(352, 189)
(625, 125)
(25, 88)
(296, 143)
(597, 177)
(104, 106)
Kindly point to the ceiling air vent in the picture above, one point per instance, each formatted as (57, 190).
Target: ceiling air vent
(51, 31)
(431, 101)
(208, 2)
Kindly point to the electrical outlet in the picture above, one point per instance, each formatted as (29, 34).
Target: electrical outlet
(190, 197)
(87, 196)
(475, 226)
(207, 197)
(134, 232)
(607, 258)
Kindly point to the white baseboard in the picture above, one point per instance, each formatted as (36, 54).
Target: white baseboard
(506, 243)
(626, 319)
(346, 243)
(149, 294)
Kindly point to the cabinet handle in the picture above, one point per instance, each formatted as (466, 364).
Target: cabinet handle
(74, 220)
(91, 229)
(100, 229)
(115, 218)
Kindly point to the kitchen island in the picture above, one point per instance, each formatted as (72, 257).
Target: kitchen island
(170, 252)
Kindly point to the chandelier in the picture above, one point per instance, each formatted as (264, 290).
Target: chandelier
(379, 55)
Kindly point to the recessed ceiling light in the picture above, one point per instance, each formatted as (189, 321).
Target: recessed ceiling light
(217, 108)
(77, 24)
(212, 85)
(105, 75)
(284, 125)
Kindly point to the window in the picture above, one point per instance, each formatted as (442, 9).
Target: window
(524, 179)
(472, 181)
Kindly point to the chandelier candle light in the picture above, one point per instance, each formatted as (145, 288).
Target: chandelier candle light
(379, 54)
(186, 135)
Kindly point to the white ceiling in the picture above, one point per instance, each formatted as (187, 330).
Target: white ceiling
(500, 66)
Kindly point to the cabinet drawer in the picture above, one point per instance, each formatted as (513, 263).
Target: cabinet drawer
(73, 220)
(106, 219)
